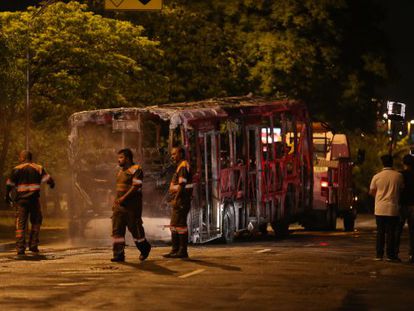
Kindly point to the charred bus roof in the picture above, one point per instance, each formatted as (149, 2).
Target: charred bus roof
(187, 112)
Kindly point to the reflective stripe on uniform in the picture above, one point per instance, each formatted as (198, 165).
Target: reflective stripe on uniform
(117, 240)
(28, 187)
(136, 181)
(183, 163)
(182, 180)
(19, 233)
(181, 230)
(176, 187)
(10, 183)
(37, 167)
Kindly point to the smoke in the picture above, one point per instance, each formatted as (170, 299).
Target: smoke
(98, 231)
(93, 157)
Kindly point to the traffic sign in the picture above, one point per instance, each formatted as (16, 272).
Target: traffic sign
(133, 5)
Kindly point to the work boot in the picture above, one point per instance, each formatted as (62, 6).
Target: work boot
(119, 258)
(144, 247)
(20, 252)
(182, 251)
(119, 252)
(34, 239)
(175, 241)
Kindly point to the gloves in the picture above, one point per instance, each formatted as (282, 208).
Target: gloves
(51, 184)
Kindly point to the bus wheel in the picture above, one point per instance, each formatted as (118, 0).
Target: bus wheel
(228, 225)
(349, 222)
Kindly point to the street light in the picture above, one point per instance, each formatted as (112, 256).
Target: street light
(396, 113)
(32, 17)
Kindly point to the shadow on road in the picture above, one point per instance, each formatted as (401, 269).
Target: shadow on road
(150, 266)
(32, 258)
(214, 265)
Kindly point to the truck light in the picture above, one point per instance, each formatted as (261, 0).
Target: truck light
(324, 187)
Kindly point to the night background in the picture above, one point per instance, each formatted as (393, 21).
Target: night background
(280, 199)
(337, 56)
(398, 25)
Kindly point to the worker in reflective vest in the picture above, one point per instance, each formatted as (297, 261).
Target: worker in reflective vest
(127, 208)
(180, 192)
(25, 179)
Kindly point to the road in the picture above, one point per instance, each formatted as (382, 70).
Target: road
(306, 271)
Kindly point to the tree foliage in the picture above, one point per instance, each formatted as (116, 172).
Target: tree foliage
(330, 53)
(11, 90)
(78, 61)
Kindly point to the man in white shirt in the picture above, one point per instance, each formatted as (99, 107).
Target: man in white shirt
(386, 186)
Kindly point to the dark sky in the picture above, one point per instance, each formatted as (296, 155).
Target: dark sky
(12, 5)
(399, 26)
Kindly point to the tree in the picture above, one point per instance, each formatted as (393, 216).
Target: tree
(78, 61)
(330, 53)
(201, 59)
(11, 93)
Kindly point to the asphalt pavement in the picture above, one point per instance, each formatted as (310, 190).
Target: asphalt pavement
(306, 271)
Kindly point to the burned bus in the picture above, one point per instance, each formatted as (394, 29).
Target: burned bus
(251, 159)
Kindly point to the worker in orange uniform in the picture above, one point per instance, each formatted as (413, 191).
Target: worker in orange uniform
(180, 192)
(127, 208)
(26, 179)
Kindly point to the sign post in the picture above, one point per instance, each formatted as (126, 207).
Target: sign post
(133, 5)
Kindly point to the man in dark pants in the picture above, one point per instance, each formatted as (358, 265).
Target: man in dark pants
(386, 186)
(26, 179)
(127, 208)
(180, 192)
(407, 204)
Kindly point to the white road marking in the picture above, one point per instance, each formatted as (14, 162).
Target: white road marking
(198, 271)
(264, 250)
(71, 284)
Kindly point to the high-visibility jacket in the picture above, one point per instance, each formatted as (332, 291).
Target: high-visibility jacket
(182, 177)
(128, 177)
(26, 179)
